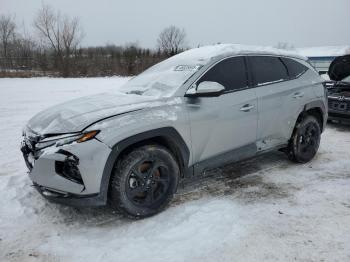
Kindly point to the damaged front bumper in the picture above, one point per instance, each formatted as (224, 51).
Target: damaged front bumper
(70, 174)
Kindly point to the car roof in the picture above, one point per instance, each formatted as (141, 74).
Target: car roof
(202, 55)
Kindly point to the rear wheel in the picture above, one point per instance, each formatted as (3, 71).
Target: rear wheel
(305, 140)
(144, 181)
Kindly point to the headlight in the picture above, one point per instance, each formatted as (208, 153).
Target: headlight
(65, 139)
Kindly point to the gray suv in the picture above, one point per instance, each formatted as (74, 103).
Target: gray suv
(195, 111)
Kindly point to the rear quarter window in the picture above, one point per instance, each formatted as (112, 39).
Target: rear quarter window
(295, 69)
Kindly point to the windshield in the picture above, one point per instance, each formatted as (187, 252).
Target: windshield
(161, 80)
(346, 79)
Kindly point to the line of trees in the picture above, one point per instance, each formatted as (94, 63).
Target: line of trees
(56, 49)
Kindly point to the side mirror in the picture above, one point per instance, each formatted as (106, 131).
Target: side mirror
(206, 89)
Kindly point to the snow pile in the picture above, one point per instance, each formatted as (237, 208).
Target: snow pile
(324, 51)
(326, 77)
(277, 211)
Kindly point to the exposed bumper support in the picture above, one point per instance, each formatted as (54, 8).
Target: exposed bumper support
(70, 199)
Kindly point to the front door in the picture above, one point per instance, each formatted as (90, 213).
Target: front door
(224, 127)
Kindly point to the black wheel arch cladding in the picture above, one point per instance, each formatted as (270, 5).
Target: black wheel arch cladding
(317, 109)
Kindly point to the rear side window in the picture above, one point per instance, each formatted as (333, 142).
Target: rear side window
(295, 69)
(268, 70)
(231, 73)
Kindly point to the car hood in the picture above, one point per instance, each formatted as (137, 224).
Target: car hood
(339, 68)
(77, 114)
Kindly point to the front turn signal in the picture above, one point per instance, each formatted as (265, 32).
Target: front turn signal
(87, 136)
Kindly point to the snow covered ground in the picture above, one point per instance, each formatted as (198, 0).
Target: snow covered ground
(265, 209)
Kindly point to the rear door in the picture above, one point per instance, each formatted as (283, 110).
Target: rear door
(278, 100)
(222, 124)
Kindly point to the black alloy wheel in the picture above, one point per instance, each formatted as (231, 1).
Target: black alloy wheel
(148, 182)
(305, 141)
(144, 181)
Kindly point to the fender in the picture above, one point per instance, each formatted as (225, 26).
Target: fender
(169, 133)
(318, 104)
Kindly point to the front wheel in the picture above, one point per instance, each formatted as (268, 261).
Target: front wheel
(144, 181)
(305, 140)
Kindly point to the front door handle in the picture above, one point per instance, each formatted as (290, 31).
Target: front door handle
(298, 95)
(246, 108)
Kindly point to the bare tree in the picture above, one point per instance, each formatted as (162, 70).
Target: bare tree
(61, 33)
(172, 40)
(7, 35)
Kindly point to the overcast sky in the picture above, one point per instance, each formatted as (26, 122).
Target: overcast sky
(261, 22)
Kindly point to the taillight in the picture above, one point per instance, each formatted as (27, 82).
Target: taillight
(328, 85)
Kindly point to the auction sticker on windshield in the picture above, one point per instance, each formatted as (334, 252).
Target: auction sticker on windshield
(187, 68)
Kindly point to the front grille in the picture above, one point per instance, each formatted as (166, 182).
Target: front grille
(339, 105)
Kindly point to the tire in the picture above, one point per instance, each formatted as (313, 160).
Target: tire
(144, 181)
(305, 140)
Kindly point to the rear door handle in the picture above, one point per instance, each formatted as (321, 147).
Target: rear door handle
(298, 95)
(246, 108)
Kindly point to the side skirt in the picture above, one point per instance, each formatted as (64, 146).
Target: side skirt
(244, 153)
(235, 155)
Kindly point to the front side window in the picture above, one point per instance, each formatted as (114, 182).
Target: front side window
(268, 70)
(231, 73)
(295, 69)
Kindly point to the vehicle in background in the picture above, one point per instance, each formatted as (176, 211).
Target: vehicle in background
(339, 89)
